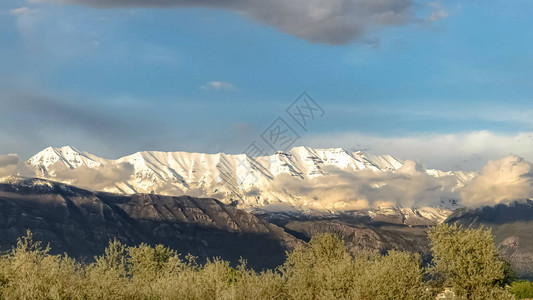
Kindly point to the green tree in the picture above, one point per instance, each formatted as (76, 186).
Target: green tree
(151, 267)
(28, 271)
(248, 284)
(522, 289)
(107, 277)
(325, 270)
(397, 275)
(468, 261)
(321, 270)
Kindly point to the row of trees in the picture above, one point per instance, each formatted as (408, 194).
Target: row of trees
(464, 259)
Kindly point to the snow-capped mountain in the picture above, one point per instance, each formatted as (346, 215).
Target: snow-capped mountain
(284, 181)
(70, 157)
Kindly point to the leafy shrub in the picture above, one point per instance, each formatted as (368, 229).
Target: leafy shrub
(467, 260)
(323, 269)
(522, 289)
(397, 275)
(30, 272)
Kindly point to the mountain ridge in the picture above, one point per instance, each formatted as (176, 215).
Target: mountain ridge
(232, 178)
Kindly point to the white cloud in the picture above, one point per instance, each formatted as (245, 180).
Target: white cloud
(458, 151)
(93, 178)
(22, 11)
(501, 181)
(439, 12)
(8, 164)
(218, 86)
(340, 189)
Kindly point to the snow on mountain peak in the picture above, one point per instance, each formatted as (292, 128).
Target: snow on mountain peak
(66, 156)
(263, 182)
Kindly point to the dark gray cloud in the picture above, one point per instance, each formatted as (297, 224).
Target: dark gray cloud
(319, 21)
(31, 122)
(54, 112)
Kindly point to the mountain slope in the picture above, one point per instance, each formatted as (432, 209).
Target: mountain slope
(252, 183)
(360, 236)
(81, 222)
(511, 224)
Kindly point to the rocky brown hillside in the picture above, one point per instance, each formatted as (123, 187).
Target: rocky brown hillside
(81, 223)
(367, 237)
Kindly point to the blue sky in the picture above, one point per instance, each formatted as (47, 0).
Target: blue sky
(120, 76)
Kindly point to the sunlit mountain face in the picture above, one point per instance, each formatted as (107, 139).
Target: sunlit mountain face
(301, 180)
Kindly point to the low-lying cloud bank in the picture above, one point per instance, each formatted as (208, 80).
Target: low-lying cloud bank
(319, 21)
(94, 178)
(8, 164)
(501, 181)
(411, 186)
